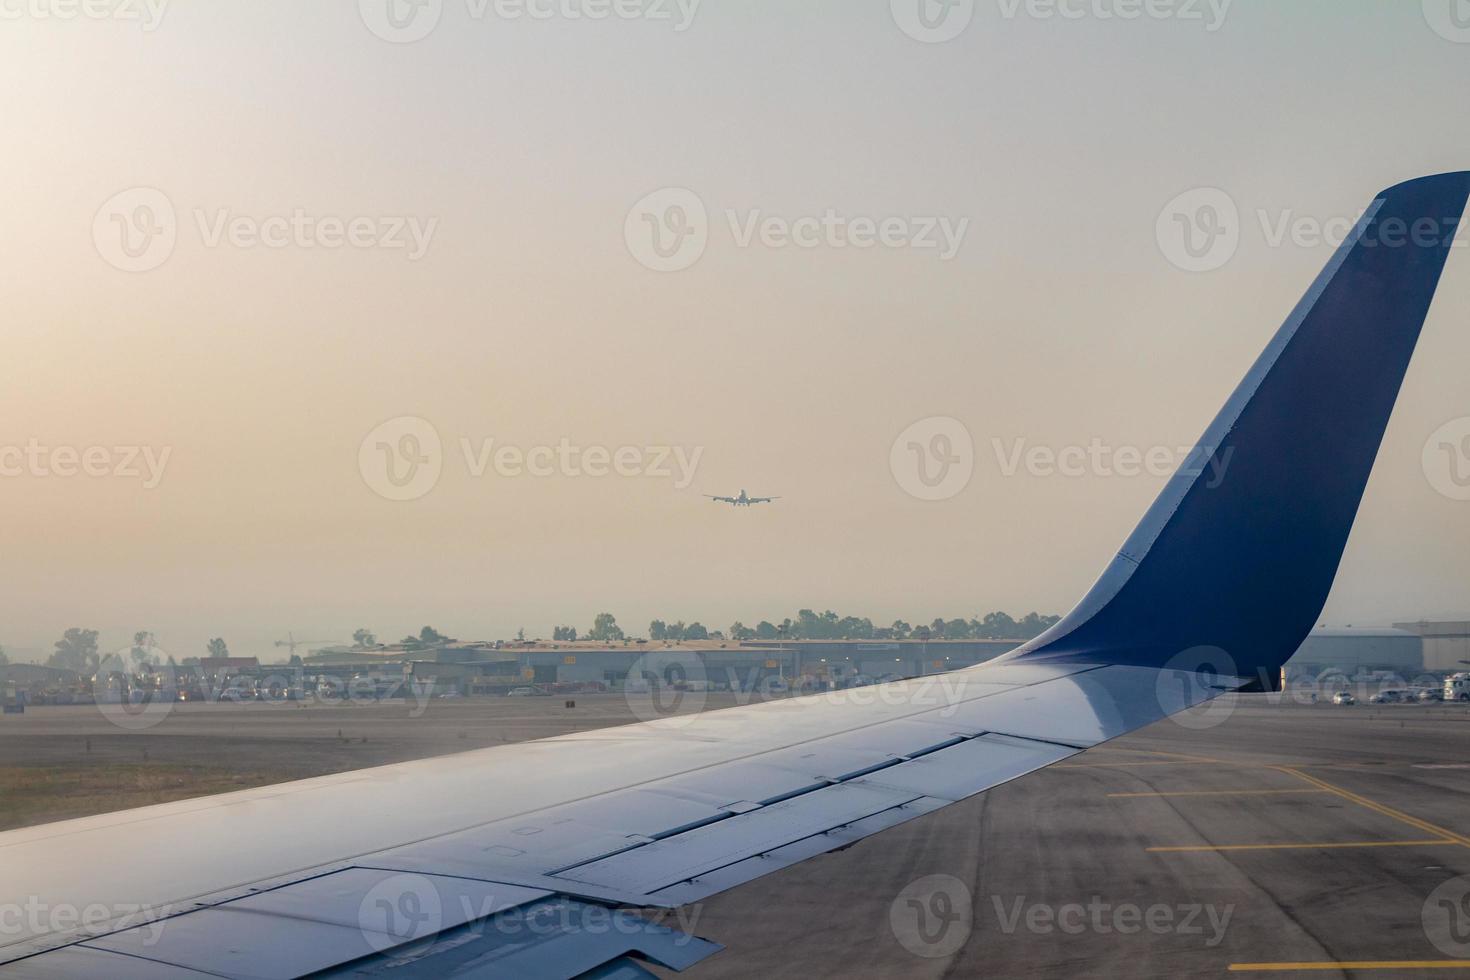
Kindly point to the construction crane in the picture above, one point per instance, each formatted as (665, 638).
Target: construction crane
(293, 643)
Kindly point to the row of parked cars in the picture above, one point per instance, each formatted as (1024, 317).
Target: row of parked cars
(1393, 696)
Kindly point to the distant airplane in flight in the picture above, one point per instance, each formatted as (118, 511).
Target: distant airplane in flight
(742, 500)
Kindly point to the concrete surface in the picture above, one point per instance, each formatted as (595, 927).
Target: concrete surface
(1283, 836)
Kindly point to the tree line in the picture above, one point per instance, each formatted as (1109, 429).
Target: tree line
(77, 648)
(77, 651)
(810, 625)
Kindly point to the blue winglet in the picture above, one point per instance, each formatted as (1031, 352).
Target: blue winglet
(1241, 548)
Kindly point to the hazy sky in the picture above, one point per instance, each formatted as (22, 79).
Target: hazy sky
(458, 234)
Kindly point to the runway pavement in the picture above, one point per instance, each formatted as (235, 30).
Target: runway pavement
(1291, 841)
(1286, 840)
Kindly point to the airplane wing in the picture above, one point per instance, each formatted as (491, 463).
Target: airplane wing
(722, 500)
(528, 860)
(763, 500)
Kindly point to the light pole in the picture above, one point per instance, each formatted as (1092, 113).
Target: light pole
(781, 653)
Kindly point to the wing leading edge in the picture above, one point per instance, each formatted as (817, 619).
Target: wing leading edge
(510, 861)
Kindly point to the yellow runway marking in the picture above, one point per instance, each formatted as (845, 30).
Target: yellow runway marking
(1300, 847)
(1222, 792)
(1351, 965)
(1387, 811)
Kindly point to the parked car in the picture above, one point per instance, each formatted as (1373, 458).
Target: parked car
(1387, 697)
(521, 692)
(1431, 694)
(1344, 697)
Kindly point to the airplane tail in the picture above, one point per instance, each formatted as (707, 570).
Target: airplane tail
(1241, 548)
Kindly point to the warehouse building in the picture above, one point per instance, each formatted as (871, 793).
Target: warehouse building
(1446, 644)
(1358, 654)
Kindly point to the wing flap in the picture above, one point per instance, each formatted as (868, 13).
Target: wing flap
(662, 863)
(714, 882)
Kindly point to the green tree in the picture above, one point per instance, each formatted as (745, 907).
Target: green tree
(958, 629)
(3, 658)
(429, 636)
(739, 631)
(765, 631)
(999, 626)
(142, 654)
(901, 630)
(364, 637)
(605, 629)
(76, 650)
(1034, 624)
(217, 649)
(658, 630)
(696, 631)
